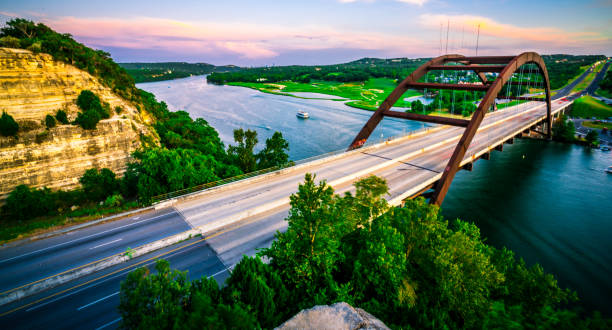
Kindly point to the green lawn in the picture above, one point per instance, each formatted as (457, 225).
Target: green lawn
(587, 107)
(593, 124)
(368, 95)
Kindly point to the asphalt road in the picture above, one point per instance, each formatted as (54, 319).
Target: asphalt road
(594, 85)
(567, 89)
(35, 260)
(91, 302)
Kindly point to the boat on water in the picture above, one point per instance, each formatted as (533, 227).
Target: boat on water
(609, 170)
(605, 148)
(303, 114)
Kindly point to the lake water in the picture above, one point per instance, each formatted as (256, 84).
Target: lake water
(332, 124)
(550, 203)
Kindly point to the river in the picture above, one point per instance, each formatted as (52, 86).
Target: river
(550, 203)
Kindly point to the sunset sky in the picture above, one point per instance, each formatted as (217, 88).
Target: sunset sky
(285, 32)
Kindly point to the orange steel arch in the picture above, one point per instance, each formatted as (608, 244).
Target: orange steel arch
(506, 66)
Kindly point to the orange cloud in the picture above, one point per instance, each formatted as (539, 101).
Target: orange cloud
(538, 36)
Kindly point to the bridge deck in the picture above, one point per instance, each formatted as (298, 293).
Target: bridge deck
(409, 164)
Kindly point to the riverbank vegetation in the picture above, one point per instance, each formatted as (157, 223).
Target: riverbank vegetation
(147, 72)
(407, 266)
(589, 107)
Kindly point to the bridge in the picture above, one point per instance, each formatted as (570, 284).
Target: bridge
(239, 217)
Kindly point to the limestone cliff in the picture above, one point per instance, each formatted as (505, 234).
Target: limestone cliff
(34, 85)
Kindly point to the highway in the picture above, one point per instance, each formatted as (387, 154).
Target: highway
(90, 302)
(38, 259)
(240, 218)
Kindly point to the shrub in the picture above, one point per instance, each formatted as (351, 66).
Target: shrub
(113, 201)
(87, 100)
(35, 47)
(118, 109)
(88, 119)
(8, 125)
(97, 185)
(50, 121)
(24, 203)
(42, 136)
(10, 42)
(61, 116)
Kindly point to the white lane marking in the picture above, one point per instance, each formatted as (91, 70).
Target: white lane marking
(107, 243)
(121, 273)
(109, 323)
(82, 238)
(219, 272)
(97, 301)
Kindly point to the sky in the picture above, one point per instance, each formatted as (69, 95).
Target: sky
(265, 32)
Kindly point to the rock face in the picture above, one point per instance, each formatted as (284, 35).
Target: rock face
(34, 85)
(337, 316)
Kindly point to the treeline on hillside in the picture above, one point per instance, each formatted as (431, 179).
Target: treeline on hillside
(407, 266)
(561, 68)
(37, 37)
(146, 72)
(360, 70)
(606, 83)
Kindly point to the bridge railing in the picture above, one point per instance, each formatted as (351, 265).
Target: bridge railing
(245, 176)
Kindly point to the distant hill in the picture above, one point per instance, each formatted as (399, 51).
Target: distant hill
(146, 72)
(561, 69)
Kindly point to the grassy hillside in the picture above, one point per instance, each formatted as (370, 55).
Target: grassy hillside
(587, 107)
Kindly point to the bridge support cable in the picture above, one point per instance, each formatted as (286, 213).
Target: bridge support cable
(505, 66)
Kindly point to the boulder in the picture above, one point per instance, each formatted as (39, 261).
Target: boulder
(337, 316)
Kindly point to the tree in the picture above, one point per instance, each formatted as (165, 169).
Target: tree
(592, 137)
(61, 116)
(9, 42)
(153, 301)
(416, 106)
(24, 203)
(564, 129)
(49, 121)
(88, 119)
(99, 184)
(275, 152)
(242, 154)
(8, 125)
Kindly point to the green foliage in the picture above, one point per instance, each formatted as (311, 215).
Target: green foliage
(24, 203)
(275, 152)
(563, 68)
(563, 129)
(42, 136)
(88, 119)
(50, 121)
(242, 154)
(99, 184)
(406, 266)
(606, 83)
(92, 110)
(162, 170)
(417, 106)
(10, 42)
(113, 200)
(592, 137)
(8, 125)
(145, 72)
(61, 117)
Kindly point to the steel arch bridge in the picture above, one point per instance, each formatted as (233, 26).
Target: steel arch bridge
(506, 68)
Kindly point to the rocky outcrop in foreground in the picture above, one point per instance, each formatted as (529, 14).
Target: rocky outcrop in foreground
(337, 316)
